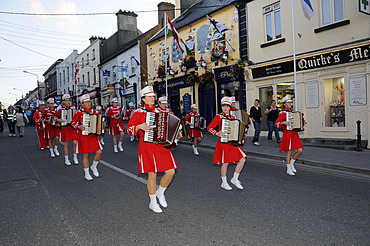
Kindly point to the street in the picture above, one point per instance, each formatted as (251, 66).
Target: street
(44, 202)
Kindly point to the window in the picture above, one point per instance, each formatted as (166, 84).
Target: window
(94, 71)
(272, 21)
(88, 78)
(134, 66)
(67, 74)
(334, 102)
(83, 79)
(82, 63)
(332, 11)
(93, 54)
(64, 77)
(87, 59)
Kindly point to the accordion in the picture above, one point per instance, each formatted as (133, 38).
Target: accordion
(93, 123)
(242, 116)
(234, 131)
(164, 130)
(54, 121)
(197, 122)
(296, 121)
(67, 115)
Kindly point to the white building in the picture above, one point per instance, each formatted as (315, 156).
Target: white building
(66, 75)
(333, 63)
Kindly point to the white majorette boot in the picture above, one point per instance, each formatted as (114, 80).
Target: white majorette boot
(75, 159)
(153, 205)
(87, 174)
(102, 141)
(52, 152)
(195, 150)
(66, 160)
(292, 161)
(289, 170)
(235, 181)
(56, 150)
(94, 168)
(115, 150)
(131, 138)
(224, 184)
(120, 146)
(161, 197)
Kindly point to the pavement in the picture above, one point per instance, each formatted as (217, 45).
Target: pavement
(344, 160)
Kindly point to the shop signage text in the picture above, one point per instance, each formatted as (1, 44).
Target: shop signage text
(343, 56)
(172, 84)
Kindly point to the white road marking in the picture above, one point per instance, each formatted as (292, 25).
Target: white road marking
(124, 172)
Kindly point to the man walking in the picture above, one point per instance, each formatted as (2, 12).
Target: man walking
(256, 115)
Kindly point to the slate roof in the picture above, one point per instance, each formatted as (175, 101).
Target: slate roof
(197, 11)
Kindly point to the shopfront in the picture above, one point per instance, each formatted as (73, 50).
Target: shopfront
(332, 90)
(107, 94)
(129, 95)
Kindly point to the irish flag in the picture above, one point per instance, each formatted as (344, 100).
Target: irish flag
(171, 31)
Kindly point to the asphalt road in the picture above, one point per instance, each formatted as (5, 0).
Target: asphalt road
(44, 202)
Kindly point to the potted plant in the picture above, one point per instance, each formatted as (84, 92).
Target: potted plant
(206, 76)
(237, 70)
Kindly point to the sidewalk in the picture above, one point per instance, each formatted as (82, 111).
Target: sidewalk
(345, 160)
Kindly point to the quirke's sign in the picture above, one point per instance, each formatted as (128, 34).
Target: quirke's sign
(332, 58)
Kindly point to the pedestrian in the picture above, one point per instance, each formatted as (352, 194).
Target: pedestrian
(87, 143)
(1, 119)
(226, 153)
(290, 140)
(28, 113)
(152, 158)
(9, 114)
(67, 133)
(272, 113)
(255, 114)
(51, 132)
(40, 125)
(116, 124)
(194, 132)
(21, 121)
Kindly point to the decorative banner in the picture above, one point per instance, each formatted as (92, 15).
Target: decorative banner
(357, 90)
(312, 94)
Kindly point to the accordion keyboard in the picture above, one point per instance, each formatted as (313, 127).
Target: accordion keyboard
(86, 124)
(150, 120)
(225, 129)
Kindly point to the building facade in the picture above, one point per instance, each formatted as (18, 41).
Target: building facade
(51, 81)
(66, 78)
(332, 63)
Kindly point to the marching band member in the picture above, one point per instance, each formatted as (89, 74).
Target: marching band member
(226, 153)
(51, 131)
(194, 133)
(153, 158)
(40, 125)
(163, 105)
(129, 112)
(68, 133)
(290, 140)
(116, 124)
(87, 144)
(100, 110)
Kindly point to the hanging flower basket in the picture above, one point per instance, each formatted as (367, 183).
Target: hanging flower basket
(237, 70)
(217, 52)
(193, 78)
(160, 71)
(206, 76)
(189, 62)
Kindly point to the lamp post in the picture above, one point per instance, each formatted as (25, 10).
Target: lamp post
(16, 98)
(38, 84)
(22, 95)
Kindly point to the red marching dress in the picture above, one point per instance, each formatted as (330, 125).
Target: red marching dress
(51, 130)
(115, 120)
(68, 133)
(224, 152)
(193, 132)
(37, 117)
(85, 143)
(151, 157)
(290, 139)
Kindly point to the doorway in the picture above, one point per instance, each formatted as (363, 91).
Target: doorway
(207, 103)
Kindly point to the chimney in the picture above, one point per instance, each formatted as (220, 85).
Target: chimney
(126, 21)
(167, 8)
(92, 39)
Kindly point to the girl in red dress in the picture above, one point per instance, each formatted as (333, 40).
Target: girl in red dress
(51, 131)
(116, 124)
(226, 153)
(153, 158)
(290, 140)
(67, 133)
(194, 133)
(40, 125)
(87, 144)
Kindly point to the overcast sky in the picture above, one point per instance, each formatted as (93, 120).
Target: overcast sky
(54, 37)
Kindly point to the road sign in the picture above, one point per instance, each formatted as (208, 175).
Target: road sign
(106, 73)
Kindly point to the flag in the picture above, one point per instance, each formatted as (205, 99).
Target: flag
(188, 51)
(135, 62)
(171, 31)
(307, 9)
(219, 26)
(76, 72)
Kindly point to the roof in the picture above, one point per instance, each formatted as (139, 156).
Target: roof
(196, 12)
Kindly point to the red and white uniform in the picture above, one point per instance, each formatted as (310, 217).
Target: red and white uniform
(193, 132)
(67, 133)
(129, 112)
(116, 122)
(224, 153)
(88, 143)
(152, 157)
(168, 110)
(290, 139)
(51, 131)
(37, 117)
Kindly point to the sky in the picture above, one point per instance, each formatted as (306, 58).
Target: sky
(32, 42)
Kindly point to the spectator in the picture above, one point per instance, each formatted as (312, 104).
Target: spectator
(22, 120)
(29, 115)
(272, 113)
(9, 115)
(256, 115)
(1, 119)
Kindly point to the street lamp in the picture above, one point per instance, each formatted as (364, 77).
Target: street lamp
(38, 84)
(16, 98)
(22, 94)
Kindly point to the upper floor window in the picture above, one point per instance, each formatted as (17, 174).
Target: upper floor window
(332, 11)
(94, 71)
(87, 59)
(82, 62)
(272, 21)
(93, 54)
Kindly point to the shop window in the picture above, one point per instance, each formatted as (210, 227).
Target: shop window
(282, 90)
(266, 95)
(272, 22)
(334, 102)
(332, 11)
